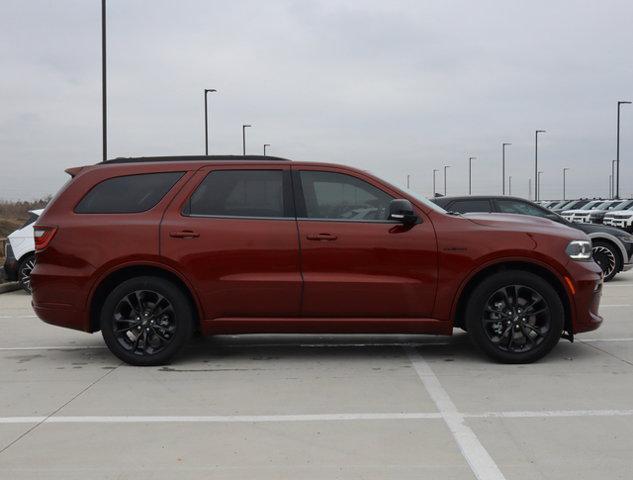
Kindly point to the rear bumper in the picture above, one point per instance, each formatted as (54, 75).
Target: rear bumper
(61, 315)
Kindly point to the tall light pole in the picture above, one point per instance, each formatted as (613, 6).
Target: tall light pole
(536, 182)
(104, 102)
(503, 167)
(537, 186)
(244, 127)
(510, 185)
(610, 186)
(266, 145)
(564, 175)
(408, 179)
(617, 152)
(206, 120)
(435, 170)
(445, 167)
(612, 178)
(470, 175)
(529, 188)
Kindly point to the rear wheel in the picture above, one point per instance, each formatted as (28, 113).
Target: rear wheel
(608, 257)
(146, 321)
(515, 317)
(24, 272)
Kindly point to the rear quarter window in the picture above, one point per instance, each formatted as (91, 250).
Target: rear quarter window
(129, 193)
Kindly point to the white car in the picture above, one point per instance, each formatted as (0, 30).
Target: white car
(569, 215)
(620, 218)
(20, 253)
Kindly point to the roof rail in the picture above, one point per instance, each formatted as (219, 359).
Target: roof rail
(196, 158)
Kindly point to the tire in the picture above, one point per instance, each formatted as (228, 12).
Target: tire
(499, 326)
(607, 255)
(146, 321)
(24, 272)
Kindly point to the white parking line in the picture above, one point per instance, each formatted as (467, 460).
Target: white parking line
(327, 417)
(620, 285)
(617, 305)
(60, 347)
(591, 340)
(480, 461)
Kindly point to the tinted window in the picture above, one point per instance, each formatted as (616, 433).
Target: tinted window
(128, 194)
(468, 206)
(521, 208)
(240, 193)
(342, 197)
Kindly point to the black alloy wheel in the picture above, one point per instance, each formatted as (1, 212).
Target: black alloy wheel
(515, 316)
(516, 319)
(146, 320)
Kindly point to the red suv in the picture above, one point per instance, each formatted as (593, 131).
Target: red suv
(149, 250)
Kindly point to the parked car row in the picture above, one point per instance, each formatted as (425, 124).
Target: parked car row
(615, 213)
(612, 248)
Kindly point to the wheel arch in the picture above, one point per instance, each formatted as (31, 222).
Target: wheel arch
(114, 278)
(607, 237)
(552, 278)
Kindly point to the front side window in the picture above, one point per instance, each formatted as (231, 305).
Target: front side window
(337, 196)
(129, 193)
(521, 208)
(239, 193)
(470, 206)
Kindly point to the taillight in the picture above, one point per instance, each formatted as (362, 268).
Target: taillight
(43, 236)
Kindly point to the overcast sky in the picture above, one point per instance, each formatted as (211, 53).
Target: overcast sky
(393, 87)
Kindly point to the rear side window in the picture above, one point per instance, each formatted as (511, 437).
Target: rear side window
(470, 206)
(240, 193)
(521, 208)
(128, 194)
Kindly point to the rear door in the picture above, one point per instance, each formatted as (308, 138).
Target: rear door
(232, 232)
(356, 262)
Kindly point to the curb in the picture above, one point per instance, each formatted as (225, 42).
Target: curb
(9, 287)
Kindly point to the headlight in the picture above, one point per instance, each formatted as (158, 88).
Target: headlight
(579, 250)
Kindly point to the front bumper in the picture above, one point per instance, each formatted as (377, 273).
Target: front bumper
(586, 278)
(623, 223)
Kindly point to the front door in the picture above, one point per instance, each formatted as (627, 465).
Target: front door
(356, 262)
(232, 232)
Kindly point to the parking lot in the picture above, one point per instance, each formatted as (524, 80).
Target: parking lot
(308, 407)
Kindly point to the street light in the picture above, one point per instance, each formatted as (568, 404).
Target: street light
(537, 185)
(503, 167)
(470, 174)
(536, 182)
(206, 120)
(564, 174)
(408, 178)
(510, 185)
(445, 167)
(617, 152)
(266, 145)
(612, 178)
(244, 127)
(529, 188)
(610, 186)
(435, 170)
(104, 103)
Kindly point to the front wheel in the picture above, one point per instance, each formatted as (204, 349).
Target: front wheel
(27, 264)
(515, 317)
(146, 320)
(608, 257)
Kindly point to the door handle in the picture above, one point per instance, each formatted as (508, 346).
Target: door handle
(321, 236)
(184, 234)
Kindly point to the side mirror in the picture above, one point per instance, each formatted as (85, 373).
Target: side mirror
(401, 210)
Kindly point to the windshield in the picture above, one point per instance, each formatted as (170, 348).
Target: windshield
(605, 206)
(624, 205)
(560, 204)
(592, 205)
(423, 199)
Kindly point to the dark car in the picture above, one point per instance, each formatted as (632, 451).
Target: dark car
(149, 250)
(612, 247)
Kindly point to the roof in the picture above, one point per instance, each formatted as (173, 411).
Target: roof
(194, 158)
